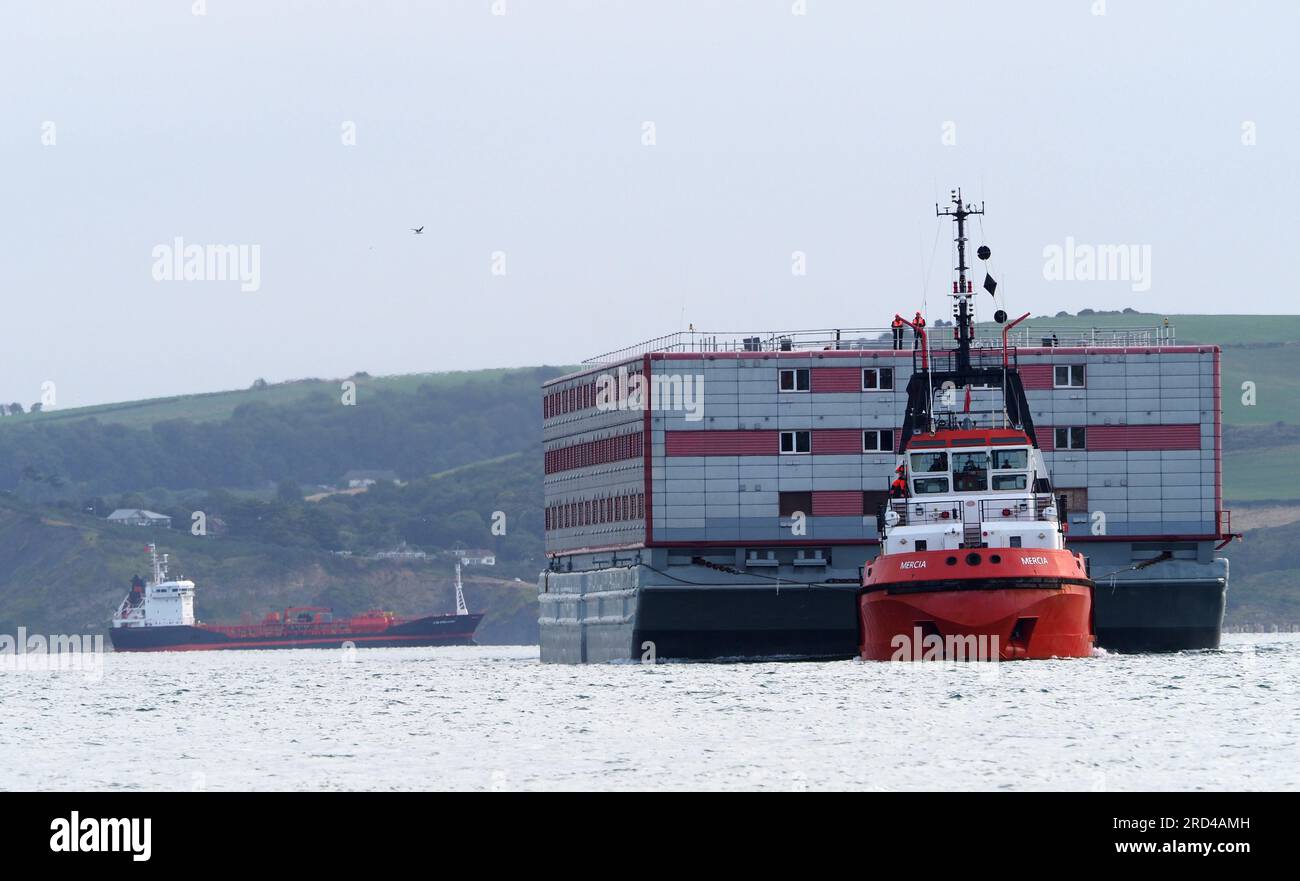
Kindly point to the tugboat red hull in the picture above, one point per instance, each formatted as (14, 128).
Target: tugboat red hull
(990, 604)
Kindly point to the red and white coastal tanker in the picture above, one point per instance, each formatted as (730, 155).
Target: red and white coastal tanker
(972, 562)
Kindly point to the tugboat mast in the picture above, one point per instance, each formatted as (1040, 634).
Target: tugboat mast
(961, 289)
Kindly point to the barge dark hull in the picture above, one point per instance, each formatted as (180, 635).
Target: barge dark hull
(434, 630)
(738, 623)
(642, 619)
(1159, 617)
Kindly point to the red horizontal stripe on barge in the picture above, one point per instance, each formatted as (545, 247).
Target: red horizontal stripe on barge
(848, 441)
(836, 379)
(721, 443)
(1121, 438)
(1036, 377)
(837, 503)
(765, 442)
(836, 441)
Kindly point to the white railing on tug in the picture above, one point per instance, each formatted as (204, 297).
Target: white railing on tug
(1040, 507)
(847, 338)
(913, 511)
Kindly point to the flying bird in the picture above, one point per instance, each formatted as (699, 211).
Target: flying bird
(418, 230)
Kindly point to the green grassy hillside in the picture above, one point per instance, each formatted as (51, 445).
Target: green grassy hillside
(297, 431)
(465, 444)
(1275, 371)
(1264, 578)
(215, 406)
(1272, 473)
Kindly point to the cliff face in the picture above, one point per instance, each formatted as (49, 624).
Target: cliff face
(63, 575)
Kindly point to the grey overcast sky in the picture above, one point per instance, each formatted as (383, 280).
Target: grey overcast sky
(1172, 125)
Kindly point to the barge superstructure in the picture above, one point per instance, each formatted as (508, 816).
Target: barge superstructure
(715, 495)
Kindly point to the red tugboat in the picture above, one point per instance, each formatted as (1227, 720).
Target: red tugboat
(972, 563)
(158, 616)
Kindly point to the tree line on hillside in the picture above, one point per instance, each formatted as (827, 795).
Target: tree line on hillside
(428, 514)
(1084, 313)
(311, 441)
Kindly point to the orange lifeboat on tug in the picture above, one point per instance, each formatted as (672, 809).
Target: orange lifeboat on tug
(973, 563)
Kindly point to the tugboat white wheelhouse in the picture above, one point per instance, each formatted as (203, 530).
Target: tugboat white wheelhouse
(972, 563)
(746, 531)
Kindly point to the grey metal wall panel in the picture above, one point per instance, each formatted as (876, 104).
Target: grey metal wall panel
(737, 497)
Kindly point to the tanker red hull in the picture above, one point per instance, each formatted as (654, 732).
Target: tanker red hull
(361, 632)
(988, 604)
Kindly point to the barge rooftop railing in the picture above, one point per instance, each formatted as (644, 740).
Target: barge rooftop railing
(988, 336)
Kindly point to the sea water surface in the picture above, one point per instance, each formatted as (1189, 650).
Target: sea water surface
(494, 718)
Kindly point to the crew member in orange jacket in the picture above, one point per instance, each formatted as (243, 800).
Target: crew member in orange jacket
(898, 489)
